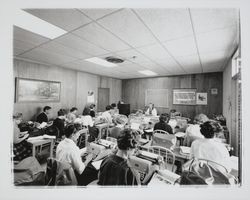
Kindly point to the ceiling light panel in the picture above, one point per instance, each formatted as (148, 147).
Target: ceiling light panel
(67, 19)
(36, 25)
(147, 73)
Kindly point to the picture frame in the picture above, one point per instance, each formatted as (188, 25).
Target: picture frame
(36, 90)
(201, 98)
(184, 96)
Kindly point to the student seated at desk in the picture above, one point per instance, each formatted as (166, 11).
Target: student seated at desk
(114, 109)
(59, 122)
(71, 117)
(163, 124)
(92, 110)
(68, 152)
(193, 130)
(151, 110)
(115, 169)
(210, 149)
(107, 114)
(43, 117)
(86, 118)
(21, 148)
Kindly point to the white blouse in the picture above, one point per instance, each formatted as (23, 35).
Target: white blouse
(154, 112)
(212, 150)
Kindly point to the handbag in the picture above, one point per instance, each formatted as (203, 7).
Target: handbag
(29, 172)
(205, 172)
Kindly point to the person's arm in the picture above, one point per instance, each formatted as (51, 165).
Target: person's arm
(77, 163)
(169, 129)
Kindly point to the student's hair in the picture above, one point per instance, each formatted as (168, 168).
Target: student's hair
(61, 112)
(69, 130)
(200, 118)
(46, 108)
(17, 115)
(113, 105)
(209, 128)
(172, 111)
(73, 109)
(86, 111)
(92, 106)
(164, 117)
(126, 140)
(108, 107)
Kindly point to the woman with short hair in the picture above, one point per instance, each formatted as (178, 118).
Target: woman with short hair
(193, 130)
(210, 149)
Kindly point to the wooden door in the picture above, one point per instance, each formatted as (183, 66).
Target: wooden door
(103, 99)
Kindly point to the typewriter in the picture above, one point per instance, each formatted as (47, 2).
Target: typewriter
(142, 162)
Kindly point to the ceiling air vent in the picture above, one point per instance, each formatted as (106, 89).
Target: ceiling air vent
(114, 59)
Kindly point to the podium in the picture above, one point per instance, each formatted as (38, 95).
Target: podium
(124, 109)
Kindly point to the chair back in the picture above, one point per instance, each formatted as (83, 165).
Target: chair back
(114, 132)
(167, 154)
(82, 138)
(161, 132)
(59, 173)
(164, 140)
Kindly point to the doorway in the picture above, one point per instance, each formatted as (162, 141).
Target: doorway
(103, 99)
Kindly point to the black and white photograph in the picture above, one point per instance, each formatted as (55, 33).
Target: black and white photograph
(126, 98)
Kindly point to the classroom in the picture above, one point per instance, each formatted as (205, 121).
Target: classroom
(127, 97)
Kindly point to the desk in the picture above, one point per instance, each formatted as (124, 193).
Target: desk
(102, 127)
(36, 143)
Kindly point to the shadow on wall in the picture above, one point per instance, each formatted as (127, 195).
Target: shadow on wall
(38, 111)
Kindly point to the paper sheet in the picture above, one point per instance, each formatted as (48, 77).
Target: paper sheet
(135, 126)
(97, 164)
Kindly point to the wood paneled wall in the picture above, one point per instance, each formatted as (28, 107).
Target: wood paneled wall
(133, 92)
(74, 87)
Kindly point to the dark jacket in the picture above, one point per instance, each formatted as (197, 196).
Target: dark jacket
(42, 117)
(92, 113)
(115, 171)
(163, 126)
(59, 123)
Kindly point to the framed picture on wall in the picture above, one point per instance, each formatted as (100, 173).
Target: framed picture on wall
(184, 96)
(201, 98)
(33, 90)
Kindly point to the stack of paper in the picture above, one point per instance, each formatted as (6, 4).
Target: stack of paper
(97, 164)
(185, 150)
(180, 134)
(41, 137)
(169, 176)
(42, 125)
